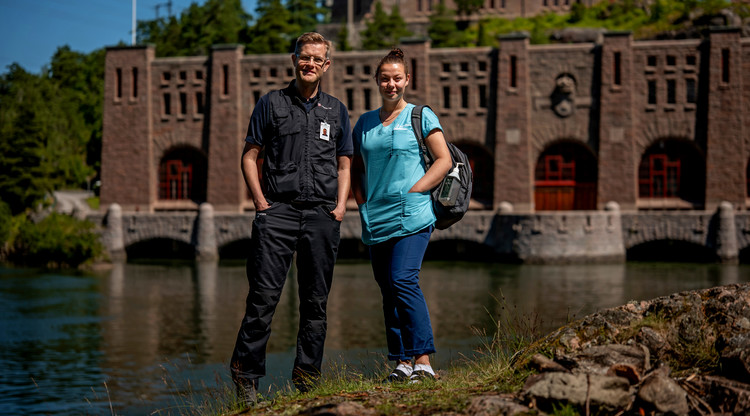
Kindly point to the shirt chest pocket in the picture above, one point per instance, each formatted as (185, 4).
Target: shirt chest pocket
(403, 141)
(284, 124)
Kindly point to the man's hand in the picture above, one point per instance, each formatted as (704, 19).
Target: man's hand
(338, 212)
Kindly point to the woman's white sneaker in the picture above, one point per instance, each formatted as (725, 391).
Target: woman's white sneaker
(421, 372)
(401, 373)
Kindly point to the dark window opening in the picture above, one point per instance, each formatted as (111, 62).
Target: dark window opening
(367, 69)
(199, 74)
(482, 96)
(652, 92)
(167, 103)
(725, 66)
(289, 72)
(366, 93)
(166, 76)
(651, 60)
(118, 80)
(274, 72)
(482, 65)
(350, 70)
(464, 96)
(464, 67)
(183, 103)
(135, 83)
(446, 97)
(617, 69)
(671, 60)
(199, 104)
(671, 91)
(256, 96)
(690, 60)
(414, 74)
(256, 73)
(446, 67)
(225, 80)
(513, 83)
(183, 75)
(350, 99)
(690, 90)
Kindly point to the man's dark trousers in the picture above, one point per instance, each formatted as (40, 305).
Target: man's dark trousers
(279, 231)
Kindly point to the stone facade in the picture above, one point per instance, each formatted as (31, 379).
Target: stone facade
(512, 109)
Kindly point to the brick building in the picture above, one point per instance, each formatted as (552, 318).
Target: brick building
(649, 125)
(416, 14)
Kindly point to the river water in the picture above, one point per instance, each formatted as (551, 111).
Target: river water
(156, 338)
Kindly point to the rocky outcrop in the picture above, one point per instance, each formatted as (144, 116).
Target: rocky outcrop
(688, 353)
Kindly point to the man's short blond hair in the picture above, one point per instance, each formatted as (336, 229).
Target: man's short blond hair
(312, 37)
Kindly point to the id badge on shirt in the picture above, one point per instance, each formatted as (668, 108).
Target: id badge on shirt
(325, 131)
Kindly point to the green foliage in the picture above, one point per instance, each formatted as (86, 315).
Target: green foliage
(342, 39)
(46, 124)
(197, 29)
(5, 225)
(56, 241)
(273, 32)
(468, 7)
(384, 31)
(305, 14)
(443, 30)
(646, 20)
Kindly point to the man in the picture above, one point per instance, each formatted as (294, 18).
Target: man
(300, 203)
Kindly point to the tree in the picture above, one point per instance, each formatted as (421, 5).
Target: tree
(197, 29)
(272, 32)
(384, 31)
(468, 7)
(343, 39)
(443, 30)
(305, 14)
(43, 135)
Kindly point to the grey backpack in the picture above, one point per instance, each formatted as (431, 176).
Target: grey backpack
(452, 209)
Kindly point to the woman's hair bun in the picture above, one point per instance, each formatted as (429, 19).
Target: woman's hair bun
(397, 52)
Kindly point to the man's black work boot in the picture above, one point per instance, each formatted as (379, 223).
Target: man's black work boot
(247, 392)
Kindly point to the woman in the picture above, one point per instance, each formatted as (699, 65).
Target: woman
(394, 202)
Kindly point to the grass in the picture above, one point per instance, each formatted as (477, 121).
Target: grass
(93, 202)
(491, 369)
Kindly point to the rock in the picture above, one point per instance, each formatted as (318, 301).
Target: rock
(719, 394)
(581, 390)
(600, 359)
(659, 392)
(735, 357)
(544, 364)
(340, 409)
(493, 405)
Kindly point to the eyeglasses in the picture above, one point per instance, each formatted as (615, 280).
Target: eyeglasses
(311, 59)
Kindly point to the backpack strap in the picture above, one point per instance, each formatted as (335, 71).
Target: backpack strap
(416, 125)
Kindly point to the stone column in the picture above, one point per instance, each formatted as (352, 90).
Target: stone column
(618, 161)
(205, 240)
(726, 235)
(725, 137)
(514, 169)
(113, 238)
(226, 189)
(129, 175)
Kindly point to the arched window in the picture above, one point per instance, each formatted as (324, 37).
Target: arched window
(483, 168)
(565, 178)
(182, 175)
(672, 170)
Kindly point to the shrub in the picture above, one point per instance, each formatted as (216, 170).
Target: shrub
(56, 241)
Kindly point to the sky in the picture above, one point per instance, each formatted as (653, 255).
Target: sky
(32, 30)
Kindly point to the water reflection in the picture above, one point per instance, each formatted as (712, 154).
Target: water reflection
(133, 337)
